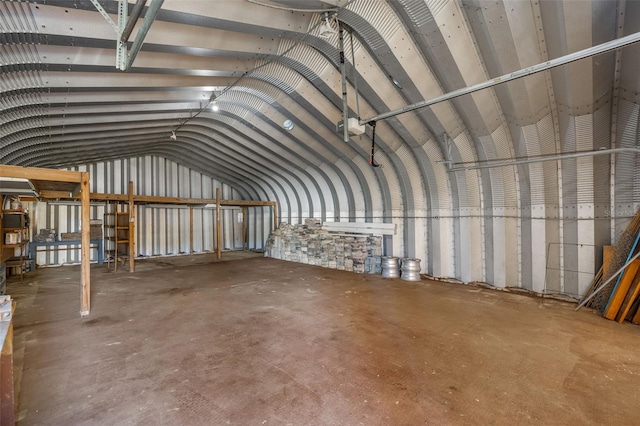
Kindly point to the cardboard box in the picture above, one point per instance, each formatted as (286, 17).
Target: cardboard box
(12, 238)
(96, 231)
(70, 236)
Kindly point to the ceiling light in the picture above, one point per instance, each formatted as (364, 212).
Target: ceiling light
(214, 106)
(326, 30)
(288, 125)
(395, 82)
(173, 136)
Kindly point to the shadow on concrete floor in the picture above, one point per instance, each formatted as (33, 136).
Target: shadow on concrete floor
(253, 340)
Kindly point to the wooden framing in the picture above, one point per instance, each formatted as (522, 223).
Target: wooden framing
(244, 228)
(218, 226)
(82, 192)
(618, 297)
(85, 230)
(67, 176)
(152, 199)
(132, 229)
(190, 229)
(36, 173)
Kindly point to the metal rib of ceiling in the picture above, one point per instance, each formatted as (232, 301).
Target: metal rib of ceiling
(64, 103)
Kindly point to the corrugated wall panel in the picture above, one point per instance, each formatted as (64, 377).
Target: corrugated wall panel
(626, 164)
(161, 231)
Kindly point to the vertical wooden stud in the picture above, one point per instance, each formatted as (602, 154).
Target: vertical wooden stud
(85, 248)
(244, 227)
(619, 294)
(190, 229)
(132, 229)
(218, 226)
(275, 215)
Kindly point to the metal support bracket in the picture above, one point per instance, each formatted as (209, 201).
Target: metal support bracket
(448, 160)
(121, 47)
(124, 60)
(104, 14)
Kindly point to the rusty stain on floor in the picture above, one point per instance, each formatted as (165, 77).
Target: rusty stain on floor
(253, 341)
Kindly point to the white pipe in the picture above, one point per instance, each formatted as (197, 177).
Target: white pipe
(503, 163)
(581, 54)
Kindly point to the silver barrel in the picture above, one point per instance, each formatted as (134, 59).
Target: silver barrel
(390, 267)
(411, 269)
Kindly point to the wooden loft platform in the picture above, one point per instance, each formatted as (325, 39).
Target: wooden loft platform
(53, 184)
(72, 182)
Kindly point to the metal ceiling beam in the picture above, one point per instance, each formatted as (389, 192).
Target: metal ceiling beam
(133, 18)
(149, 17)
(104, 14)
(563, 60)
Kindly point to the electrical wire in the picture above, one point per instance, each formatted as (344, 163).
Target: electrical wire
(373, 145)
(291, 9)
(355, 75)
(249, 72)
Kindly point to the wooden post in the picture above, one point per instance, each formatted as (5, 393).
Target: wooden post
(132, 229)
(190, 229)
(218, 226)
(620, 292)
(7, 402)
(275, 216)
(85, 249)
(244, 227)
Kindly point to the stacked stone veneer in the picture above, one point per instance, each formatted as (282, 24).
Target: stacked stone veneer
(312, 245)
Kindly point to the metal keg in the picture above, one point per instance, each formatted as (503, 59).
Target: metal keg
(390, 267)
(411, 269)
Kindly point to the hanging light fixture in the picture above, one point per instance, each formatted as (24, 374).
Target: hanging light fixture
(326, 30)
(212, 102)
(288, 125)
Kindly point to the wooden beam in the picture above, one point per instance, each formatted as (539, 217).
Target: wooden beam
(275, 216)
(218, 226)
(38, 173)
(85, 248)
(190, 229)
(132, 229)
(198, 201)
(49, 195)
(244, 227)
(76, 190)
(636, 317)
(247, 203)
(620, 293)
(632, 295)
(110, 197)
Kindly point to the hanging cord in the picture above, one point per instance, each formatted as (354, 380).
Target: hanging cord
(246, 74)
(373, 145)
(355, 75)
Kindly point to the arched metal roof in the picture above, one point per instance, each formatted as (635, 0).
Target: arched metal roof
(63, 102)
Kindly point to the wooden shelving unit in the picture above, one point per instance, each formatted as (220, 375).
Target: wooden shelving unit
(14, 239)
(117, 234)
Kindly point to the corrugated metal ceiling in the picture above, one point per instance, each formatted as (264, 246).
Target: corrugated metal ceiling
(64, 103)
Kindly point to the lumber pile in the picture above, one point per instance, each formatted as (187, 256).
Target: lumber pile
(615, 289)
(308, 243)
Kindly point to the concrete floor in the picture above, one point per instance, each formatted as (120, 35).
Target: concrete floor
(256, 341)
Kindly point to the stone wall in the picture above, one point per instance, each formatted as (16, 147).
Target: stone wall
(312, 245)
